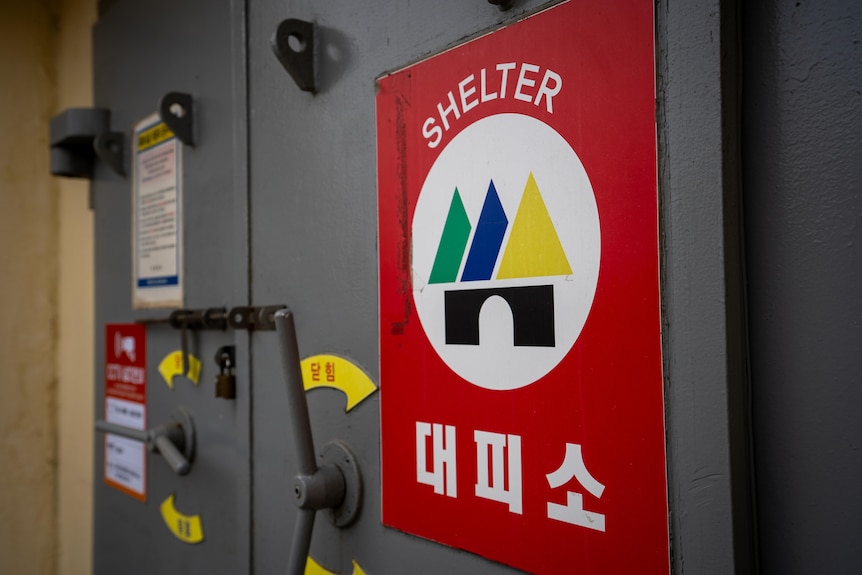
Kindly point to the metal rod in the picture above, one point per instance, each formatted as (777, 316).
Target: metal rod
(301, 541)
(184, 343)
(297, 408)
(176, 460)
(164, 438)
(123, 431)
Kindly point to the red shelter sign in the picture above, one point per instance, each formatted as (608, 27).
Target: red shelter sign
(126, 405)
(522, 413)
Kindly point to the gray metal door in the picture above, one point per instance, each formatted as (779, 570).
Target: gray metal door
(280, 208)
(144, 50)
(313, 245)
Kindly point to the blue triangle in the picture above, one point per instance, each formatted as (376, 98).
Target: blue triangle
(487, 239)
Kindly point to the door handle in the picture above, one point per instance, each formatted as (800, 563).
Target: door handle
(336, 483)
(174, 441)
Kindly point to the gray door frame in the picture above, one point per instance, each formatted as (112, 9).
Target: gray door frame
(707, 393)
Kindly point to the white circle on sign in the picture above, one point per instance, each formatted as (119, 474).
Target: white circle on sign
(505, 270)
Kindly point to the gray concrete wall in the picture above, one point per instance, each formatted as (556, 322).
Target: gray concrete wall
(802, 129)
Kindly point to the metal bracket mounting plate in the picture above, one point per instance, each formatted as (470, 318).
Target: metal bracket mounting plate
(337, 453)
(293, 45)
(176, 110)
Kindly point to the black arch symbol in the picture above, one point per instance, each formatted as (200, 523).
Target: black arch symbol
(532, 314)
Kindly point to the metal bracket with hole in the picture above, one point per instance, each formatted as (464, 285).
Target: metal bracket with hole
(293, 45)
(176, 110)
(81, 135)
(503, 5)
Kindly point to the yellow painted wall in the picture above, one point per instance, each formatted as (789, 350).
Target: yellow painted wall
(28, 292)
(75, 314)
(46, 296)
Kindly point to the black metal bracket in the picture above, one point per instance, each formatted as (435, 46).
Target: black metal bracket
(176, 110)
(254, 318)
(109, 149)
(294, 46)
(78, 137)
(503, 5)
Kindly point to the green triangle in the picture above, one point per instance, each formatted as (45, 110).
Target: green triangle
(453, 242)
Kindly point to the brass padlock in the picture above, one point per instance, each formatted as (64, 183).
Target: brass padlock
(225, 387)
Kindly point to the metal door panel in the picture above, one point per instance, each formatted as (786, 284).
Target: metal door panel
(144, 50)
(313, 244)
(802, 117)
(306, 236)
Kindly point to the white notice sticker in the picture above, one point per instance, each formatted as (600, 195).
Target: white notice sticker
(126, 459)
(125, 413)
(125, 465)
(157, 216)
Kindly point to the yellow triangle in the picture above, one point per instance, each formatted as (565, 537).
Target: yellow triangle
(534, 248)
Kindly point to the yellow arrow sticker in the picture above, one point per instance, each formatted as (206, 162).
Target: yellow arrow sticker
(313, 568)
(173, 365)
(338, 373)
(186, 528)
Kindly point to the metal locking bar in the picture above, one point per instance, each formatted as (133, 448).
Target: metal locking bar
(336, 483)
(254, 318)
(196, 319)
(211, 318)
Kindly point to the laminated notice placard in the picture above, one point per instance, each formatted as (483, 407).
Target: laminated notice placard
(156, 216)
